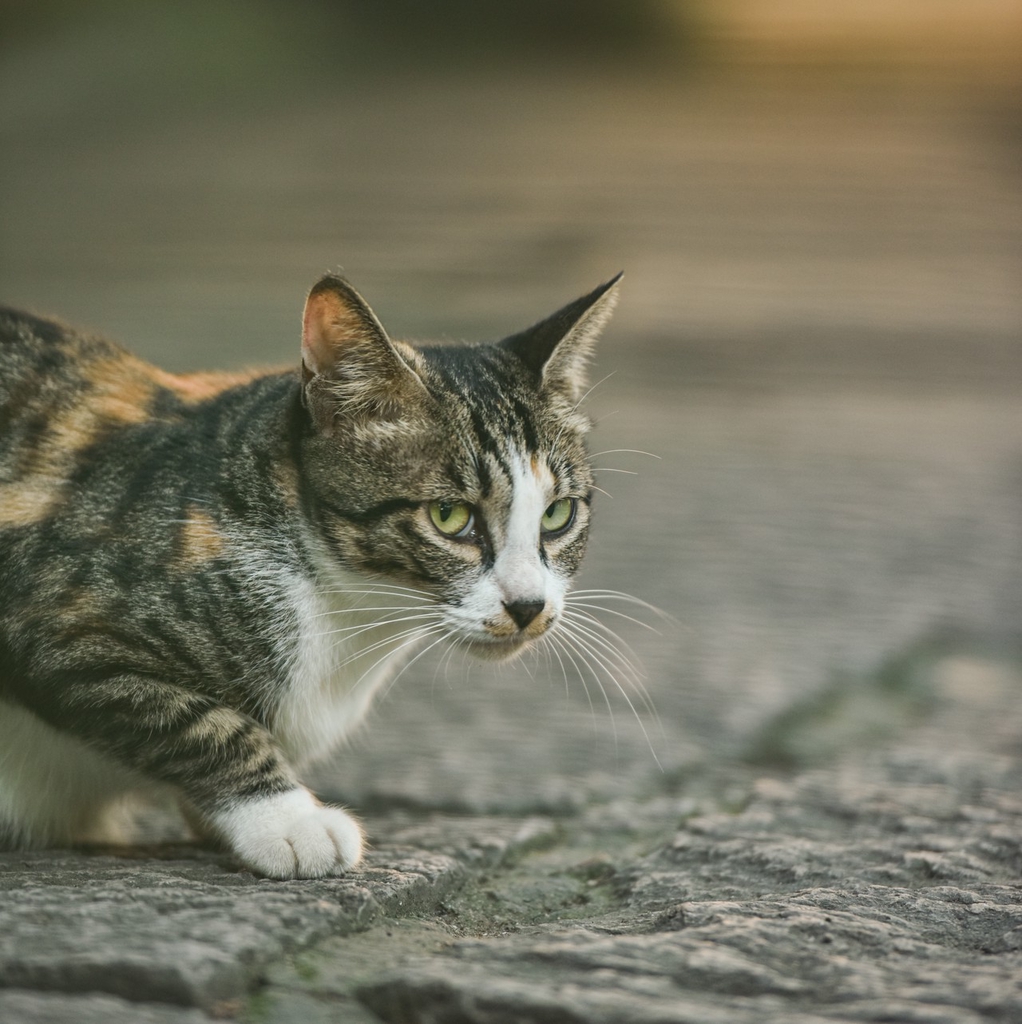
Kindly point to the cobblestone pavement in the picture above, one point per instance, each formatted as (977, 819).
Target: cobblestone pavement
(820, 338)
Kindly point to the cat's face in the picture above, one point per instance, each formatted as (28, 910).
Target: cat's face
(460, 472)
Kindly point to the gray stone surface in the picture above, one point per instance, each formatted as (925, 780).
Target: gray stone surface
(192, 931)
(820, 337)
(879, 888)
(19, 1007)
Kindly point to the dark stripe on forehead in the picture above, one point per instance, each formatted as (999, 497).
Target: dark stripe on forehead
(503, 424)
(501, 406)
(484, 380)
(486, 441)
(524, 417)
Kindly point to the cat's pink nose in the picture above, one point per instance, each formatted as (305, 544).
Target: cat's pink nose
(523, 612)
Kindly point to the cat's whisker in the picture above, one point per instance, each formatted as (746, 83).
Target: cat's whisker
(377, 644)
(543, 649)
(583, 646)
(373, 582)
(602, 491)
(456, 645)
(462, 648)
(567, 645)
(406, 640)
(355, 606)
(550, 647)
(549, 653)
(527, 670)
(579, 620)
(369, 622)
(615, 658)
(459, 646)
(397, 588)
(666, 617)
(377, 581)
(620, 595)
(415, 657)
(584, 619)
(608, 469)
(363, 609)
(358, 630)
(381, 591)
(606, 631)
(623, 451)
(445, 664)
(385, 642)
(614, 664)
(558, 646)
(623, 657)
(569, 603)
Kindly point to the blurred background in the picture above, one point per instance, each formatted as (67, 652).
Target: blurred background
(817, 207)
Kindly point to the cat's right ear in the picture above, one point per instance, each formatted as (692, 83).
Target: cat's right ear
(349, 365)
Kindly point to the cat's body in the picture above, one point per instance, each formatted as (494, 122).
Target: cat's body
(204, 579)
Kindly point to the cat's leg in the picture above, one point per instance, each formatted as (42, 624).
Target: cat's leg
(226, 765)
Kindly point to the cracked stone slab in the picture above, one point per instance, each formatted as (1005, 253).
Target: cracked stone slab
(187, 928)
(818, 955)
(482, 993)
(478, 841)
(192, 931)
(879, 890)
(901, 823)
(20, 1007)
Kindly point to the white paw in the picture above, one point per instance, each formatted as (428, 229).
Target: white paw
(291, 835)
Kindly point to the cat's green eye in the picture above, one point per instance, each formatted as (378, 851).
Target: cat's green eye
(451, 518)
(558, 515)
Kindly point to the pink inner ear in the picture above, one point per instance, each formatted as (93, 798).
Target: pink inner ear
(329, 327)
(316, 348)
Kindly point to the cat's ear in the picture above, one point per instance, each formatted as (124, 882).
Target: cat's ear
(558, 348)
(349, 365)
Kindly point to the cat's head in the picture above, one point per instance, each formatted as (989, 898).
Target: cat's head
(458, 470)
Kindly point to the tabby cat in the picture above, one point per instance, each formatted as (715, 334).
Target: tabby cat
(204, 578)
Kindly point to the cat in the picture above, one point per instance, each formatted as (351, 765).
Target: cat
(204, 578)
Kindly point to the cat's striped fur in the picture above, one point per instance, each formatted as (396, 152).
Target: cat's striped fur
(204, 578)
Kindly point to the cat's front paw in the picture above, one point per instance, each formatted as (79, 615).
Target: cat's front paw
(290, 835)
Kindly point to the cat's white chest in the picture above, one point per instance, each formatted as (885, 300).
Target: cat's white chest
(349, 643)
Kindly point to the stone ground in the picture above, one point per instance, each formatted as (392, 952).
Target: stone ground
(819, 337)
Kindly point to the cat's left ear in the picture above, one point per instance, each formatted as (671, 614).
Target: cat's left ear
(558, 348)
(349, 365)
